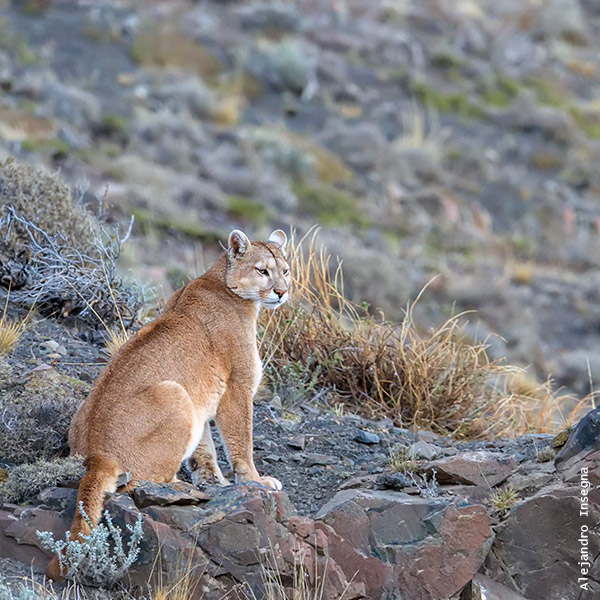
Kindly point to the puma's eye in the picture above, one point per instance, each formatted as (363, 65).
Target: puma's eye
(285, 271)
(263, 271)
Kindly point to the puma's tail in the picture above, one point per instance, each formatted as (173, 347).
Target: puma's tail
(101, 477)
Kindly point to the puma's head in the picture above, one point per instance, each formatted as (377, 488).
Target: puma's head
(258, 270)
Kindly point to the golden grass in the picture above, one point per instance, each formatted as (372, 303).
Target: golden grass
(502, 500)
(11, 330)
(166, 46)
(115, 339)
(402, 460)
(10, 334)
(428, 380)
(307, 581)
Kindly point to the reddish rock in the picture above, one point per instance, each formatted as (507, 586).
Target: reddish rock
(538, 548)
(481, 468)
(429, 548)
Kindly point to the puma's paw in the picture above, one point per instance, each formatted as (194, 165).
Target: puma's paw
(271, 482)
(200, 477)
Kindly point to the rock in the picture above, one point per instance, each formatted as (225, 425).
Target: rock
(146, 494)
(366, 437)
(298, 442)
(429, 548)
(538, 549)
(584, 462)
(59, 498)
(529, 483)
(428, 436)
(475, 468)
(585, 436)
(49, 346)
(422, 449)
(312, 459)
(267, 16)
(362, 481)
(484, 588)
(394, 481)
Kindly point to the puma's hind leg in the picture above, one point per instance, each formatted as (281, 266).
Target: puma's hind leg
(203, 462)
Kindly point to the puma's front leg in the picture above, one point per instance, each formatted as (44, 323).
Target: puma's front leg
(234, 419)
(203, 462)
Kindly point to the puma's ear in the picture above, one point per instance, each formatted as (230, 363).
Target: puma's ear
(278, 238)
(238, 244)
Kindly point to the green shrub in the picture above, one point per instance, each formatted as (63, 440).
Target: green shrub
(330, 205)
(247, 209)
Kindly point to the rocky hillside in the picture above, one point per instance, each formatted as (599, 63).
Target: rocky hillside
(449, 145)
(369, 510)
(449, 138)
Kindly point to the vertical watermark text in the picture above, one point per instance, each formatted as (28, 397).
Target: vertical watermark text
(584, 534)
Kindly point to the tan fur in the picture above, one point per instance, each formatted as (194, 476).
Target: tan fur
(151, 405)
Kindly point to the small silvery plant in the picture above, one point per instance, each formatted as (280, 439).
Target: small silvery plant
(21, 592)
(429, 488)
(99, 559)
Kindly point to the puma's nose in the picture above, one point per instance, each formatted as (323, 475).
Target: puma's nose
(280, 293)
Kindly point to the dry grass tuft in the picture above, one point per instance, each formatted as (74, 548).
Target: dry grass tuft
(306, 582)
(403, 461)
(433, 380)
(503, 500)
(11, 330)
(115, 339)
(10, 333)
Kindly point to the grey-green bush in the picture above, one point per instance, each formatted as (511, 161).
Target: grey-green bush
(24, 482)
(102, 558)
(35, 415)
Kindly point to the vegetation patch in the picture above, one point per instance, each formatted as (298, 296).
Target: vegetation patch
(24, 482)
(248, 210)
(454, 103)
(166, 46)
(36, 414)
(147, 220)
(502, 93)
(54, 253)
(434, 380)
(329, 205)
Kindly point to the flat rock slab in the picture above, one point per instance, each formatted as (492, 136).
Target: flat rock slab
(163, 494)
(480, 467)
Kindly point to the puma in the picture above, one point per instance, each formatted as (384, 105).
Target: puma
(151, 406)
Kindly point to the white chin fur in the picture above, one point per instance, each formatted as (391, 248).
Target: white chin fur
(273, 303)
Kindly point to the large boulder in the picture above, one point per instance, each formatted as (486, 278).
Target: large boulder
(479, 467)
(406, 547)
(584, 437)
(544, 545)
